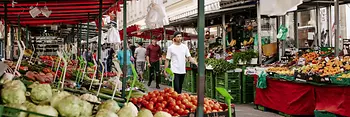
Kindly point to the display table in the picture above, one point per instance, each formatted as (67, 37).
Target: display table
(334, 99)
(302, 99)
(287, 97)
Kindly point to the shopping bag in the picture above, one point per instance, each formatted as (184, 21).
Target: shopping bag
(282, 32)
(262, 80)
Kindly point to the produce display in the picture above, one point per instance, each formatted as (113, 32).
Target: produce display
(316, 67)
(175, 104)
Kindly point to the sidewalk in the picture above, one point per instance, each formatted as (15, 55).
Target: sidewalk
(242, 110)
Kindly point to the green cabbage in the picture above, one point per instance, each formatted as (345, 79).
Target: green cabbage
(16, 83)
(13, 95)
(162, 114)
(105, 113)
(45, 110)
(41, 93)
(30, 106)
(129, 110)
(145, 113)
(86, 109)
(57, 97)
(19, 106)
(70, 106)
(110, 105)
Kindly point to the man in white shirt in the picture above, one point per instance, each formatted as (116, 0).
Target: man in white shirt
(178, 53)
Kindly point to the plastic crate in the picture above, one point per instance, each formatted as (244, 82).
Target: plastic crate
(209, 84)
(247, 88)
(13, 112)
(231, 81)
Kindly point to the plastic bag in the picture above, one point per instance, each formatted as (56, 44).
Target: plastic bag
(282, 32)
(262, 80)
(156, 16)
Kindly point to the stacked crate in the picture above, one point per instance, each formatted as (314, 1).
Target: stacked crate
(231, 81)
(247, 88)
(209, 84)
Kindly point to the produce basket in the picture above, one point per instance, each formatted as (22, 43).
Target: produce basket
(13, 112)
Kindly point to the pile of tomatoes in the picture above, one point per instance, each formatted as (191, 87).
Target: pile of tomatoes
(173, 103)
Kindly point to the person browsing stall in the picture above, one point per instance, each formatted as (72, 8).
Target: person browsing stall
(178, 53)
(153, 57)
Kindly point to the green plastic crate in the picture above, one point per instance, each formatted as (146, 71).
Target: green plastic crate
(231, 81)
(324, 114)
(247, 88)
(209, 84)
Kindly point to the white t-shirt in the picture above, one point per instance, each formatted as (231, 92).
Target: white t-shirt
(178, 54)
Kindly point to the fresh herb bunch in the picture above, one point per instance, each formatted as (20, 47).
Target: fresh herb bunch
(245, 56)
(220, 65)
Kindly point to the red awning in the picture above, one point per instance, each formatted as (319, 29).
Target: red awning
(158, 33)
(129, 30)
(63, 11)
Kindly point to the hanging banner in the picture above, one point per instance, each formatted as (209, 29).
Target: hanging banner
(278, 7)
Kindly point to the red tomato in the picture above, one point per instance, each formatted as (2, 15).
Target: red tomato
(182, 106)
(160, 99)
(164, 102)
(186, 112)
(172, 103)
(178, 102)
(180, 97)
(176, 108)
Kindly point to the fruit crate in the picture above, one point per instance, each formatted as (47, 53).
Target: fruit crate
(231, 81)
(209, 84)
(13, 112)
(247, 88)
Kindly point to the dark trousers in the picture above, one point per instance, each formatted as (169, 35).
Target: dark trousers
(178, 81)
(154, 72)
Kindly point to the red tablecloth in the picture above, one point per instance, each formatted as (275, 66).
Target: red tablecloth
(287, 97)
(333, 99)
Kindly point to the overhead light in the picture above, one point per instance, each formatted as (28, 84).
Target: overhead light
(34, 11)
(46, 12)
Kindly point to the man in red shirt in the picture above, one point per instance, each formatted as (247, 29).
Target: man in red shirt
(153, 57)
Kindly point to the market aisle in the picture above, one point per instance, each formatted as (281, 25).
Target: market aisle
(242, 110)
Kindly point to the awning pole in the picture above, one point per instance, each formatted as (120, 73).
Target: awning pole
(125, 64)
(27, 37)
(87, 33)
(201, 65)
(79, 40)
(19, 34)
(329, 25)
(99, 38)
(259, 31)
(283, 41)
(336, 28)
(223, 33)
(295, 20)
(6, 34)
(318, 26)
(12, 40)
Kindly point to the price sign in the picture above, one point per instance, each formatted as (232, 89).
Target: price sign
(327, 59)
(301, 61)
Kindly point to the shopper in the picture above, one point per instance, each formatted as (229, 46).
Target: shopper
(178, 53)
(94, 55)
(140, 56)
(153, 56)
(109, 60)
(121, 59)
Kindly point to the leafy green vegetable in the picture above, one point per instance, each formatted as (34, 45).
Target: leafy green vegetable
(40, 93)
